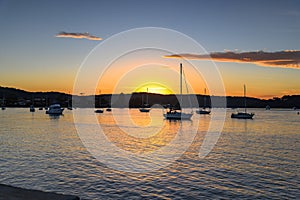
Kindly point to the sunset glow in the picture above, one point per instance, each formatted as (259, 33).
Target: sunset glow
(49, 58)
(154, 88)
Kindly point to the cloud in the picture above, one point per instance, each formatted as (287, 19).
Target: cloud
(285, 59)
(78, 35)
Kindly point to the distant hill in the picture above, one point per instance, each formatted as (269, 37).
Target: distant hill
(19, 98)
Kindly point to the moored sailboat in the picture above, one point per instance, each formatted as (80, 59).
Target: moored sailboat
(203, 111)
(243, 115)
(178, 114)
(99, 110)
(3, 103)
(145, 106)
(31, 108)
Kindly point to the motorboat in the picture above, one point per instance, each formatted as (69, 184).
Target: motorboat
(99, 111)
(55, 109)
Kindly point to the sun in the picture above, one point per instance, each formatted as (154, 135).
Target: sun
(151, 87)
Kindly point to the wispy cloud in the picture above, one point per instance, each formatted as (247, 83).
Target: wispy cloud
(78, 36)
(285, 59)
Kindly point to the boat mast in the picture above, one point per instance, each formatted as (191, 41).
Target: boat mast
(100, 98)
(204, 98)
(147, 97)
(142, 100)
(180, 86)
(3, 101)
(245, 103)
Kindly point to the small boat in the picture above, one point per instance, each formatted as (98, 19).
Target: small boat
(99, 111)
(145, 107)
(177, 114)
(203, 111)
(32, 109)
(3, 104)
(55, 109)
(69, 104)
(108, 109)
(243, 115)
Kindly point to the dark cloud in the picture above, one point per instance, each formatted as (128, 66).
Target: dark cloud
(78, 35)
(286, 59)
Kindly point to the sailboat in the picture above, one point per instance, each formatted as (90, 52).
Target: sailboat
(99, 110)
(3, 103)
(178, 114)
(243, 115)
(69, 103)
(31, 108)
(203, 111)
(145, 108)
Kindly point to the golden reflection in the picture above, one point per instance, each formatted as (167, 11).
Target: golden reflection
(133, 144)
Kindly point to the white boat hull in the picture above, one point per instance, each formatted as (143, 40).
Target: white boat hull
(55, 110)
(203, 112)
(178, 116)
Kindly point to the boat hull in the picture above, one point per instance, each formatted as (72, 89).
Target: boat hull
(203, 112)
(99, 111)
(144, 110)
(242, 115)
(55, 110)
(178, 116)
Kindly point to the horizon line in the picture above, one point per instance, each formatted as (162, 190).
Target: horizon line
(86, 95)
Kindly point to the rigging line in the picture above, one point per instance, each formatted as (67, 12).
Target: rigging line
(187, 90)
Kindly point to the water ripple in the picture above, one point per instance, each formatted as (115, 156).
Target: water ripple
(256, 159)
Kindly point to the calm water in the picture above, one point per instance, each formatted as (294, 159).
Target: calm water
(252, 159)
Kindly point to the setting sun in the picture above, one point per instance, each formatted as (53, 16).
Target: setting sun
(153, 88)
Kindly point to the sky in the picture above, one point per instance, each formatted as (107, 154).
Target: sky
(43, 44)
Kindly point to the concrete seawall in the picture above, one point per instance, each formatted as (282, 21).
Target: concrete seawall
(15, 193)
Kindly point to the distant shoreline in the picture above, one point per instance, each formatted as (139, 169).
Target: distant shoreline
(12, 97)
